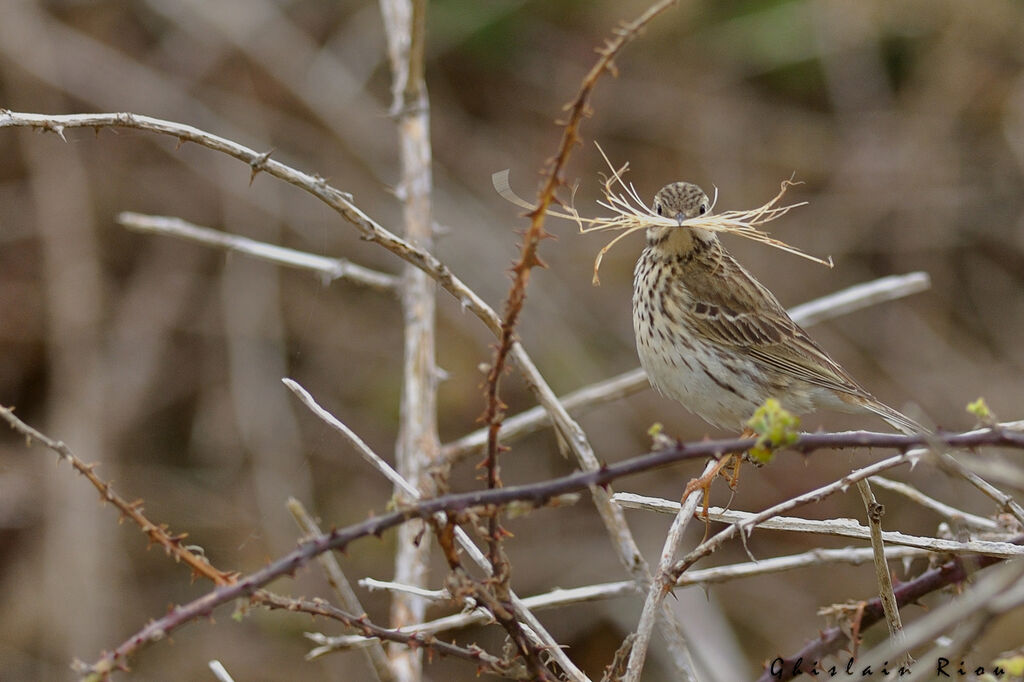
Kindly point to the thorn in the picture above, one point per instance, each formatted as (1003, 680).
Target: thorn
(258, 164)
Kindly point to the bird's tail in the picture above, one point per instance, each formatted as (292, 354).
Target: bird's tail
(897, 419)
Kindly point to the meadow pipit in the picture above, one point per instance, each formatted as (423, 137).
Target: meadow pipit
(714, 338)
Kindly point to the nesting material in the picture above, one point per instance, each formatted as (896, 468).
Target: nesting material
(630, 213)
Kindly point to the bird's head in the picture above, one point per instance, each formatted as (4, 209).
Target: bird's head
(678, 201)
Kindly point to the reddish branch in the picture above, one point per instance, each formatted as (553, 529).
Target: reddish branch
(832, 640)
(529, 258)
(537, 494)
(173, 544)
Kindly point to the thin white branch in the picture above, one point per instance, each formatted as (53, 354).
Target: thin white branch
(662, 584)
(860, 296)
(814, 557)
(849, 528)
(418, 445)
(553, 599)
(391, 586)
(941, 508)
(219, 671)
(347, 597)
(329, 268)
(367, 453)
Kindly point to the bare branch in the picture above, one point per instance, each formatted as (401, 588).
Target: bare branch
(337, 200)
(347, 597)
(330, 269)
(889, 606)
(663, 582)
(941, 508)
(848, 528)
(174, 545)
(418, 445)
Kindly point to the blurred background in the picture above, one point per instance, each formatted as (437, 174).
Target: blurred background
(161, 360)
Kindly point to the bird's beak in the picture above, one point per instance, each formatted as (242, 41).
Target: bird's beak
(680, 218)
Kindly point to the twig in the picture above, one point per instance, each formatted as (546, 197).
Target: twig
(433, 595)
(835, 638)
(860, 296)
(875, 511)
(808, 314)
(413, 641)
(662, 583)
(329, 268)
(158, 534)
(219, 671)
(364, 450)
(347, 597)
(941, 508)
(849, 528)
(814, 557)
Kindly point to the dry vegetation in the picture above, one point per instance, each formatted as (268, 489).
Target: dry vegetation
(160, 359)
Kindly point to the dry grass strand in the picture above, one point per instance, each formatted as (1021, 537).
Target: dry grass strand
(631, 213)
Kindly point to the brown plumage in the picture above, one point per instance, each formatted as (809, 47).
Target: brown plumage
(715, 339)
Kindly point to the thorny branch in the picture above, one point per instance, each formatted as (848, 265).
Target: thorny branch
(172, 544)
(536, 495)
(530, 258)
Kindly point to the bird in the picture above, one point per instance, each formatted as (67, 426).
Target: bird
(712, 337)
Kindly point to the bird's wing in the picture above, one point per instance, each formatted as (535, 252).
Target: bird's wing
(747, 317)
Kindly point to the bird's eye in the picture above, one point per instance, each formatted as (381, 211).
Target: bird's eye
(703, 209)
(657, 207)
